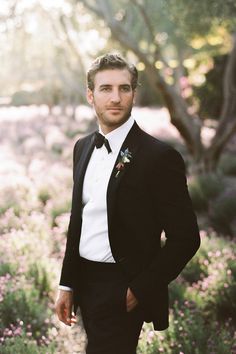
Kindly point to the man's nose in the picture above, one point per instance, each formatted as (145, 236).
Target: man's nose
(115, 96)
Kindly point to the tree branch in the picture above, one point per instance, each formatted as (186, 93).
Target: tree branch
(93, 9)
(188, 126)
(144, 15)
(70, 43)
(227, 123)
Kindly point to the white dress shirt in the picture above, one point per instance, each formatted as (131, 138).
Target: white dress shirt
(94, 242)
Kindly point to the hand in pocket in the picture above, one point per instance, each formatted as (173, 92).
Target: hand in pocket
(131, 301)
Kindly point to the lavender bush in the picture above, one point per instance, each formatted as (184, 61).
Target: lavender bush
(36, 180)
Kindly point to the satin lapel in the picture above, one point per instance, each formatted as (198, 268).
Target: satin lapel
(132, 143)
(80, 171)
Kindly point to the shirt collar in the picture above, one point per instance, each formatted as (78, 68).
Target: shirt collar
(117, 136)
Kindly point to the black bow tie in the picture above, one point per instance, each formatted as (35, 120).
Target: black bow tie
(100, 140)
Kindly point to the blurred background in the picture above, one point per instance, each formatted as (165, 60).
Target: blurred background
(185, 52)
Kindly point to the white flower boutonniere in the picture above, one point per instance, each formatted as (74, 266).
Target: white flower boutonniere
(124, 158)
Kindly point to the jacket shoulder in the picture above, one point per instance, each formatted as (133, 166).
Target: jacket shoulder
(159, 152)
(78, 146)
(158, 146)
(81, 141)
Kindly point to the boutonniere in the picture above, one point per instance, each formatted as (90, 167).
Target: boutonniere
(124, 158)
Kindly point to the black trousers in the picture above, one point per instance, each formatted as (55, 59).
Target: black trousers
(109, 327)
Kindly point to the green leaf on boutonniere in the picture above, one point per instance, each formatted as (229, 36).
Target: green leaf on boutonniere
(125, 157)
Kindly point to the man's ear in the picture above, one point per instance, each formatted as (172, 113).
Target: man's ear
(135, 95)
(89, 96)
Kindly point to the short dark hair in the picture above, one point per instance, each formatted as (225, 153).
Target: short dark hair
(111, 61)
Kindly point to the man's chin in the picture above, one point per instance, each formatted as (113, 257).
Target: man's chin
(117, 117)
(117, 122)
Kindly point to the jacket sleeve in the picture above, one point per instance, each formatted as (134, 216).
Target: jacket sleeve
(68, 265)
(174, 208)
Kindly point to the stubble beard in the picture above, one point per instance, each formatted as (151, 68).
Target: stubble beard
(107, 121)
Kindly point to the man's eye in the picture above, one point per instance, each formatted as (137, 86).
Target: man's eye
(105, 89)
(126, 89)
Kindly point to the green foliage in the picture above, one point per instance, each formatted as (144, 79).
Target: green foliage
(210, 194)
(147, 97)
(57, 148)
(204, 293)
(24, 303)
(188, 333)
(20, 98)
(177, 291)
(72, 133)
(203, 304)
(41, 279)
(222, 295)
(222, 212)
(227, 164)
(204, 187)
(215, 292)
(26, 280)
(197, 18)
(210, 93)
(44, 195)
(15, 195)
(59, 210)
(23, 345)
(11, 205)
(197, 268)
(8, 268)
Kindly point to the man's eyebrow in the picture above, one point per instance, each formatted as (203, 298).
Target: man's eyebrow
(105, 85)
(109, 85)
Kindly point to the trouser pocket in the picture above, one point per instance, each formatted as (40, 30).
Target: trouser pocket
(123, 299)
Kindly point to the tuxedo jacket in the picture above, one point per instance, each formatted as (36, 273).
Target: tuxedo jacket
(147, 197)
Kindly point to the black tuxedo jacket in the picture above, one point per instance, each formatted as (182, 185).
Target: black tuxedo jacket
(147, 197)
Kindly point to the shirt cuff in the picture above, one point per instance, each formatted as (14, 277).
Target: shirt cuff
(65, 288)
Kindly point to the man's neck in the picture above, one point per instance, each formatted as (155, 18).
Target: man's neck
(108, 129)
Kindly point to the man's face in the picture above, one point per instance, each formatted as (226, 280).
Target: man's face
(112, 98)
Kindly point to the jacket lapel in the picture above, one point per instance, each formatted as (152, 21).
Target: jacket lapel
(131, 143)
(86, 153)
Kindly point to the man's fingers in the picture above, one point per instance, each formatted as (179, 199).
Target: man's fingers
(60, 311)
(64, 304)
(67, 314)
(64, 316)
(63, 313)
(131, 301)
(73, 319)
(69, 318)
(64, 309)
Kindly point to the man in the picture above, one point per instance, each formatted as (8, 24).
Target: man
(128, 188)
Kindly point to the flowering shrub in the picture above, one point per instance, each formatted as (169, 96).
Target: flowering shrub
(203, 304)
(227, 164)
(35, 196)
(18, 301)
(188, 333)
(216, 292)
(204, 187)
(222, 212)
(16, 340)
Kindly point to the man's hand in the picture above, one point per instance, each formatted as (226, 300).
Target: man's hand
(131, 301)
(64, 303)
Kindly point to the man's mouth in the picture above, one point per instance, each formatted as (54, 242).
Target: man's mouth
(114, 109)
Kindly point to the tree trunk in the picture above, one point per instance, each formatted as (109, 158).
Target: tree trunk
(227, 123)
(188, 125)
